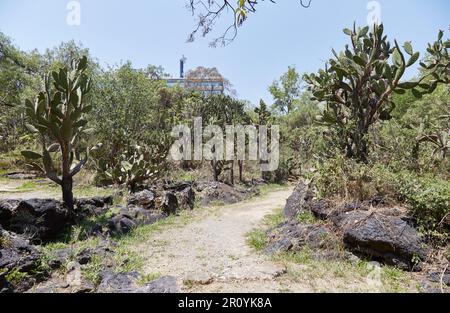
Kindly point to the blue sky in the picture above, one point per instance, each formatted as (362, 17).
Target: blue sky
(278, 35)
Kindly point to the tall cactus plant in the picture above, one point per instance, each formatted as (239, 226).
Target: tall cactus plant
(357, 85)
(437, 66)
(57, 116)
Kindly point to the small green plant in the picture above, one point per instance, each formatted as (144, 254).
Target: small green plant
(257, 239)
(307, 218)
(92, 270)
(148, 278)
(15, 276)
(4, 242)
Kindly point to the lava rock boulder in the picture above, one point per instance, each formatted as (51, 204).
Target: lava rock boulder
(389, 238)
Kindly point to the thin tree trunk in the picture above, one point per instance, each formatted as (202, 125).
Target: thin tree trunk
(67, 180)
(232, 173)
(67, 185)
(241, 171)
(215, 171)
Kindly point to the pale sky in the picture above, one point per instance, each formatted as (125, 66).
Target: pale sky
(278, 35)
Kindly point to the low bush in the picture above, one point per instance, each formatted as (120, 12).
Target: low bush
(427, 197)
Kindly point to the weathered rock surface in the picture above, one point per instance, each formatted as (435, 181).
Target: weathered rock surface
(4, 285)
(38, 219)
(144, 199)
(130, 217)
(370, 228)
(389, 238)
(293, 236)
(121, 224)
(6, 210)
(19, 256)
(436, 278)
(298, 201)
(98, 202)
(75, 280)
(129, 283)
(169, 203)
(16, 252)
(216, 192)
(186, 199)
(184, 192)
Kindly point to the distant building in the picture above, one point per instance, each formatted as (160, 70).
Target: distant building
(206, 86)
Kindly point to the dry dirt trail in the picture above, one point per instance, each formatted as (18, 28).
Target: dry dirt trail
(211, 253)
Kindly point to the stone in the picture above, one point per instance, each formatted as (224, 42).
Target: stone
(98, 202)
(112, 282)
(60, 257)
(16, 253)
(321, 209)
(436, 278)
(186, 199)
(128, 282)
(298, 201)
(84, 256)
(75, 280)
(169, 203)
(39, 219)
(145, 217)
(177, 186)
(121, 224)
(293, 236)
(166, 284)
(388, 238)
(144, 199)
(6, 210)
(20, 175)
(216, 192)
(4, 285)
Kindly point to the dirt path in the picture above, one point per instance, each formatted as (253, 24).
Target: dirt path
(212, 255)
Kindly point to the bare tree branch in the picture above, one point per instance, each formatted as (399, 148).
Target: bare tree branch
(209, 11)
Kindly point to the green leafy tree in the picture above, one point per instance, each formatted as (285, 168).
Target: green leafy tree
(287, 90)
(17, 81)
(357, 86)
(133, 117)
(57, 115)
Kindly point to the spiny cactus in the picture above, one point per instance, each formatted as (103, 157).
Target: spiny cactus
(440, 138)
(134, 166)
(57, 115)
(437, 66)
(357, 85)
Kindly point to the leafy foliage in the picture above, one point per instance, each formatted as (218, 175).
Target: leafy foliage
(57, 115)
(286, 90)
(358, 84)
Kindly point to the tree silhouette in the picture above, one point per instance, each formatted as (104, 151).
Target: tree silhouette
(209, 11)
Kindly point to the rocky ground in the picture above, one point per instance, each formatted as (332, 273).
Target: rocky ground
(372, 230)
(29, 225)
(310, 245)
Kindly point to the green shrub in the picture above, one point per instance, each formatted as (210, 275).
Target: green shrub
(346, 178)
(427, 197)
